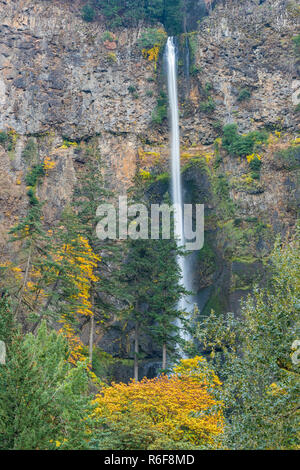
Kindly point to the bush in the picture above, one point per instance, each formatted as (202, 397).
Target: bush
(88, 13)
(3, 138)
(255, 164)
(195, 70)
(255, 175)
(241, 145)
(30, 150)
(208, 87)
(289, 158)
(130, 12)
(208, 106)
(36, 172)
(107, 36)
(161, 111)
(120, 13)
(111, 57)
(152, 37)
(132, 89)
(244, 94)
(296, 41)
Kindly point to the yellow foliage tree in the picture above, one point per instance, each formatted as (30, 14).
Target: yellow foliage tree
(179, 407)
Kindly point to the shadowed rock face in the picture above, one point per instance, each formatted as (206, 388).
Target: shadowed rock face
(60, 80)
(195, 10)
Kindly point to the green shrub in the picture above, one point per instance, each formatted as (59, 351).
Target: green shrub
(289, 158)
(132, 89)
(255, 164)
(208, 106)
(107, 36)
(36, 172)
(30, 150)
(217, 125)
(149, 93)
(195, 70)
(3, 138)
(244, 94)
(296, 41)
(161, 111)
(255, 175)
(88, 13)
(207, 259)
(208, 87)
(241, 145)
(163, 178)
(221, 187)
(249, 185)
(152, 37)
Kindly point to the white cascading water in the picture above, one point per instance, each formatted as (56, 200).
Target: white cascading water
(177, 198)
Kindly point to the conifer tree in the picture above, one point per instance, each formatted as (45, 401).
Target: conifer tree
(255, 358)
(43, 399)
(150, 283)
(34, 252)
(89, 193)
(166, 293)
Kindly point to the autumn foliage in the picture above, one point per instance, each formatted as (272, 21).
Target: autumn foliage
(181, 407)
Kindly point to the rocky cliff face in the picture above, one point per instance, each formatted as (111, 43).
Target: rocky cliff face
(63, 85)
(59, 79)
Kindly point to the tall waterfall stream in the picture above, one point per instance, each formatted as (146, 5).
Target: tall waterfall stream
(177, 192)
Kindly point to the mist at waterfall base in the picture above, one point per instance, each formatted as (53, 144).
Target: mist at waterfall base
(186, 302)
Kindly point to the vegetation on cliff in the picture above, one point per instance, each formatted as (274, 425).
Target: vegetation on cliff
(119, 13)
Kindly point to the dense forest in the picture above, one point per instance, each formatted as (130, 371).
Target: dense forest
(96, 352)
(123, 13)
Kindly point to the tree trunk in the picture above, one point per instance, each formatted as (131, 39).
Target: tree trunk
(91, 340)
(136, 352)
(164, 356)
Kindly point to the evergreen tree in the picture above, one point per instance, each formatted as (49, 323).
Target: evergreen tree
(172, 17)
(150, 283)
(89, 193)
(43, 400)
(34, 252)
(166, 292)
(254, 357)
(136, 275)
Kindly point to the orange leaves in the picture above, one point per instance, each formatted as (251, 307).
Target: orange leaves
(181, 406)
(49, 164)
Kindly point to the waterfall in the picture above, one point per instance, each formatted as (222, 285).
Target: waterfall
(177, 197)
